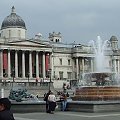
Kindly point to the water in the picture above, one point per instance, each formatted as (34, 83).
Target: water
(103, 89)
(99, 47)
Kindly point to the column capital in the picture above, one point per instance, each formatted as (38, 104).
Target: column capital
(43, 52)
(8, 50)
(30, 50)
(37, 51)
(48, 53)
(23, 51)
(16, 50)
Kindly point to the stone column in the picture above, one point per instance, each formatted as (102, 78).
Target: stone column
(9, 65)
(30, 64)
(92, 65)
(51, 66)
(16, 64)
(23, 64)
(77, 72)
(2, 92)
(1, 64)
(73, 68)
(43, 65)
(37, 65)
(115, 66)
(83, 64)
(118, 66)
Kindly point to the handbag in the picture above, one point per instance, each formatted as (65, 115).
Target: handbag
(56, 106)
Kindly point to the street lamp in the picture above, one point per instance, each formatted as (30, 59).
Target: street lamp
(28, 76)
(50, 78)
(13, 75)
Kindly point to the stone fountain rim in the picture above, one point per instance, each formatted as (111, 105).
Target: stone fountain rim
(102, 86)
(95, 102)
(98, 72)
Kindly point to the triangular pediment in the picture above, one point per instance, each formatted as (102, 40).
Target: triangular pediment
(29, 43)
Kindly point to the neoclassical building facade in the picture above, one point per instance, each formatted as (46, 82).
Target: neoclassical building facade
(28, 59)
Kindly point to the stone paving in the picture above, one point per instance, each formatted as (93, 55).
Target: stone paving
(68, 116)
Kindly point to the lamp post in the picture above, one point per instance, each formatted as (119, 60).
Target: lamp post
(28, 77)
(13, 75)
(50, 78)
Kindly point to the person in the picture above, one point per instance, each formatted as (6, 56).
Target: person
(67, 94)
(64, 87)
(63, 99)
(5, 112)
(52, 102)
(36, 80)
(46, 99)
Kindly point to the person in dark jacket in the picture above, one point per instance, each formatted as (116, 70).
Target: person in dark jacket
(47, 102)
(5, 112)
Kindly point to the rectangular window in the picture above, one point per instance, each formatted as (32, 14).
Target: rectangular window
(68, 62)
(61, 74)
(54, 74)
(60, 61)
(69, 75)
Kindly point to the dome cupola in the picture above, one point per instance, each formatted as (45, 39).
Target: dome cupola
(13, 20)
(114, 43)
(13, 26)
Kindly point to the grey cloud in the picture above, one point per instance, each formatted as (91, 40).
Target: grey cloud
(77, 20)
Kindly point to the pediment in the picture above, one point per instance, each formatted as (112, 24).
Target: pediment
(29, 43)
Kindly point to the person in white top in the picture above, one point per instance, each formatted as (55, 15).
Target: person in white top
(52, 102)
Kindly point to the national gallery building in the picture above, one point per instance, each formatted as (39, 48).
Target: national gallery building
(24, 58)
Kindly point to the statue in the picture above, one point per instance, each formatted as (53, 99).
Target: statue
(19, 94)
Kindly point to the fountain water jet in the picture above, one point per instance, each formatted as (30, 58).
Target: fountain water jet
(99, 48)
(100, 91)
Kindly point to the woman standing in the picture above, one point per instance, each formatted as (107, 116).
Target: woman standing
(52, 102)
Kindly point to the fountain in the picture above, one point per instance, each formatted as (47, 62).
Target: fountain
(102, 90)
(17, 93)
(23, 101)
(20, 94)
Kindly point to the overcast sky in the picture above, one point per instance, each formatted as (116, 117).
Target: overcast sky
(77, 20)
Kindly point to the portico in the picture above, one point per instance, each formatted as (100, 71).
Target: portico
(34, 63)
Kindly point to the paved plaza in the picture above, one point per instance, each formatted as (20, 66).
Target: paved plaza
(68, 116)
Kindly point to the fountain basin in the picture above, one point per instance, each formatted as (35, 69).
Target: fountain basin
(94, 106)
(97, 93)
(76, 106)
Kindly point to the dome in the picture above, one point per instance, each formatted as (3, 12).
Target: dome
(13, 20)
(113, 38)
